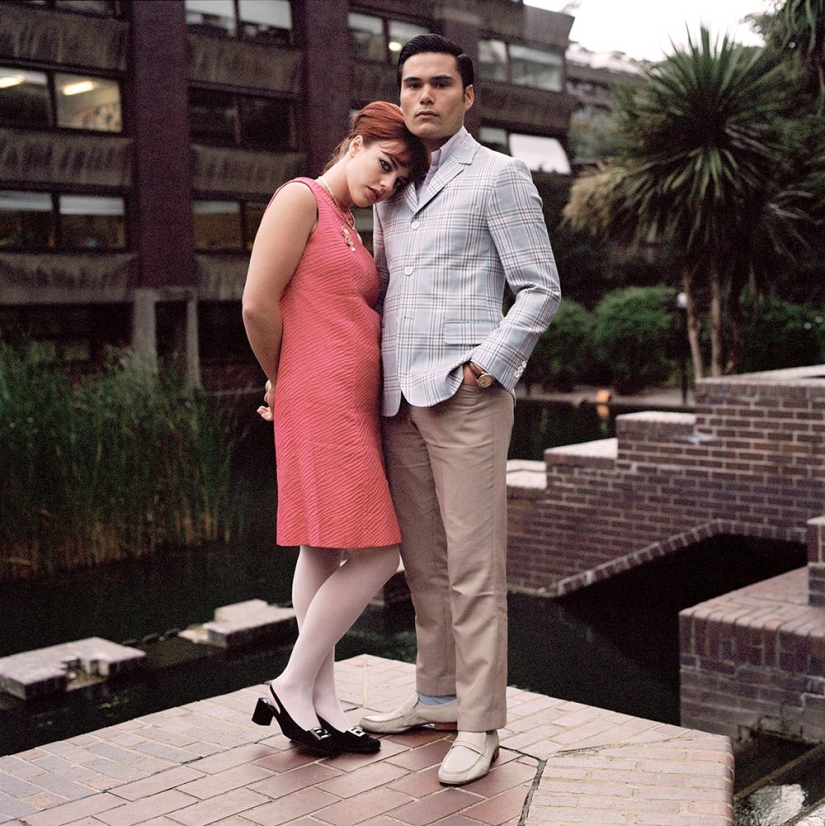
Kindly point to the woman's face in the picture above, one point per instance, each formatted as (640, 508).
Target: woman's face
(374, 172)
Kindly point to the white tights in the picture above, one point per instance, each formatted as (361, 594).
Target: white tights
(328, 597)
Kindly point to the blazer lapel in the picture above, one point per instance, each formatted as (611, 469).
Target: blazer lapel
(460, 157)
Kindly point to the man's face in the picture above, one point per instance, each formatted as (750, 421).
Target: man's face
(432, 98)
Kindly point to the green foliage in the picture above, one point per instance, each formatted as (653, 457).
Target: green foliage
(113, 467)
(701, 142)
(564, 352)
(778, 334)
(634, 337)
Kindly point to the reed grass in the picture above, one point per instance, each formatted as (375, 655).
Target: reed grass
(110, 467)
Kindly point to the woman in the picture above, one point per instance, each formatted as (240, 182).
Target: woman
(308, 312)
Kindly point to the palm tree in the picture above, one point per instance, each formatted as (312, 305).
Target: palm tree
(697, 169)
(799, 28)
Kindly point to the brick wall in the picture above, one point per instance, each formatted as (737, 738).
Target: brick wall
(752, 457)
(754, 659)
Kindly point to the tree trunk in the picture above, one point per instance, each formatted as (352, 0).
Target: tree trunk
(716, 348)
(735, 319)
(694, 325)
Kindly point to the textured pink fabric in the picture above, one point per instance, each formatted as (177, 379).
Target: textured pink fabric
(332, 489)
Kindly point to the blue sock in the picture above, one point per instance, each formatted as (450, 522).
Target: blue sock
(430, 700)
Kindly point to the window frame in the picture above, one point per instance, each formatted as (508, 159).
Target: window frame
(58, 231)
(390, 57)
(238, 30)
(115, 7)
(240, 123)
(247, 225)
(54, 107)
(508, 65)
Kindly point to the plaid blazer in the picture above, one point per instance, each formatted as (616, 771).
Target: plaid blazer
(443, 263)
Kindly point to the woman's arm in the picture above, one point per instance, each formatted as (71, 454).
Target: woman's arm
(279, 244)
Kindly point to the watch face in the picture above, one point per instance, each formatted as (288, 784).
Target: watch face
(485, 380)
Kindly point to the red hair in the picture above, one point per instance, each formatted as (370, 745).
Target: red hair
(383, 122)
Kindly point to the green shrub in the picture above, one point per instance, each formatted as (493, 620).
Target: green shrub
(777, 334)
(564, 351)
(633, 337)
(115, 466)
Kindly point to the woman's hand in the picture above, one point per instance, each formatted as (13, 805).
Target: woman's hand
(265, 410)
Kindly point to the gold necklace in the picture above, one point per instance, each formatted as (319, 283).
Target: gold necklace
(346, 214)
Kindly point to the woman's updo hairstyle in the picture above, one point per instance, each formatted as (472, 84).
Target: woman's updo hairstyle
(383, 122)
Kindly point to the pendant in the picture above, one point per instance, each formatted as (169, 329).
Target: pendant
(347, 237)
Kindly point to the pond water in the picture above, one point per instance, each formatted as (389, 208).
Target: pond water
(613, 645)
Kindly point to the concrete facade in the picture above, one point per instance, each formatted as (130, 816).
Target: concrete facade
(217, 112)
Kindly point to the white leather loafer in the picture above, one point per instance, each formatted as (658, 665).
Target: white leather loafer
(469, 758)
(410, 714)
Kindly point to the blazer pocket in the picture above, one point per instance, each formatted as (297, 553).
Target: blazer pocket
(467, 332)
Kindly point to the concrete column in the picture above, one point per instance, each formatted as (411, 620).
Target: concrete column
(165, 325)
(461, 25)
(144, 327)
(161, 223)
(322, 30)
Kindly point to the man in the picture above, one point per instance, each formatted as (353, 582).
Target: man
(451, 361)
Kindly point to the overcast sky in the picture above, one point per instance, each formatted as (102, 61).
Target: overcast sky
(643, 29)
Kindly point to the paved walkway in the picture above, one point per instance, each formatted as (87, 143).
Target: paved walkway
(561, 764)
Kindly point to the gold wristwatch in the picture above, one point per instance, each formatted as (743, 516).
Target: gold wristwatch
(483, 378)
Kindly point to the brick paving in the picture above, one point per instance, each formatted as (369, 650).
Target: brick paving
(206, 763)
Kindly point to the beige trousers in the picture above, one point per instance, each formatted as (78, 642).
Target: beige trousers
(446, 466)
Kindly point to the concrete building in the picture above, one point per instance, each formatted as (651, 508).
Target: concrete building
(141, 141)
(592, 78)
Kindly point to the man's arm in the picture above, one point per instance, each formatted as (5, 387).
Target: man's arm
(516, 224)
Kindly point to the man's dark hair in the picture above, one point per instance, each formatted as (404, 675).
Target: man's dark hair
(424, 43)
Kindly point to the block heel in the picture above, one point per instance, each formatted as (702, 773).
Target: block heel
(263, 713)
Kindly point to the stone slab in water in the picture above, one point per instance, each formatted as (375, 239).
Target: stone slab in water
(47, 670)
(246, 622)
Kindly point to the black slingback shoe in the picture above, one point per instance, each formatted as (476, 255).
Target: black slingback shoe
(317, 739)
(354, 739)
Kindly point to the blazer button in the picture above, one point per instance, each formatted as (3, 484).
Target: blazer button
(408, 270)
(415, 224)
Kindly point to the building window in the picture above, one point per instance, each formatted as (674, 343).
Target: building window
(269, 20)
(222, 226)
(377, 38)
(100, 7)
(399, 34)
(366, 37)
(31, 221)
(520, 65)
(539, 152)
(106, 8)
(265, 19)
(226, 119)
(536, 68)
(253, 213)
(24, 98)
(88, 103)
(91, 222)
(495, 138)
(492, 60)
(80, 101)
(26, 221)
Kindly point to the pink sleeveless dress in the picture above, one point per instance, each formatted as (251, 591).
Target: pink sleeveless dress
(332, 488)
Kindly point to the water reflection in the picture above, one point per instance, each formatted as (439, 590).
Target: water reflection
(771, 806)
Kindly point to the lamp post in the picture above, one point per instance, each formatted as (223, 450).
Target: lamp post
(681, 309)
